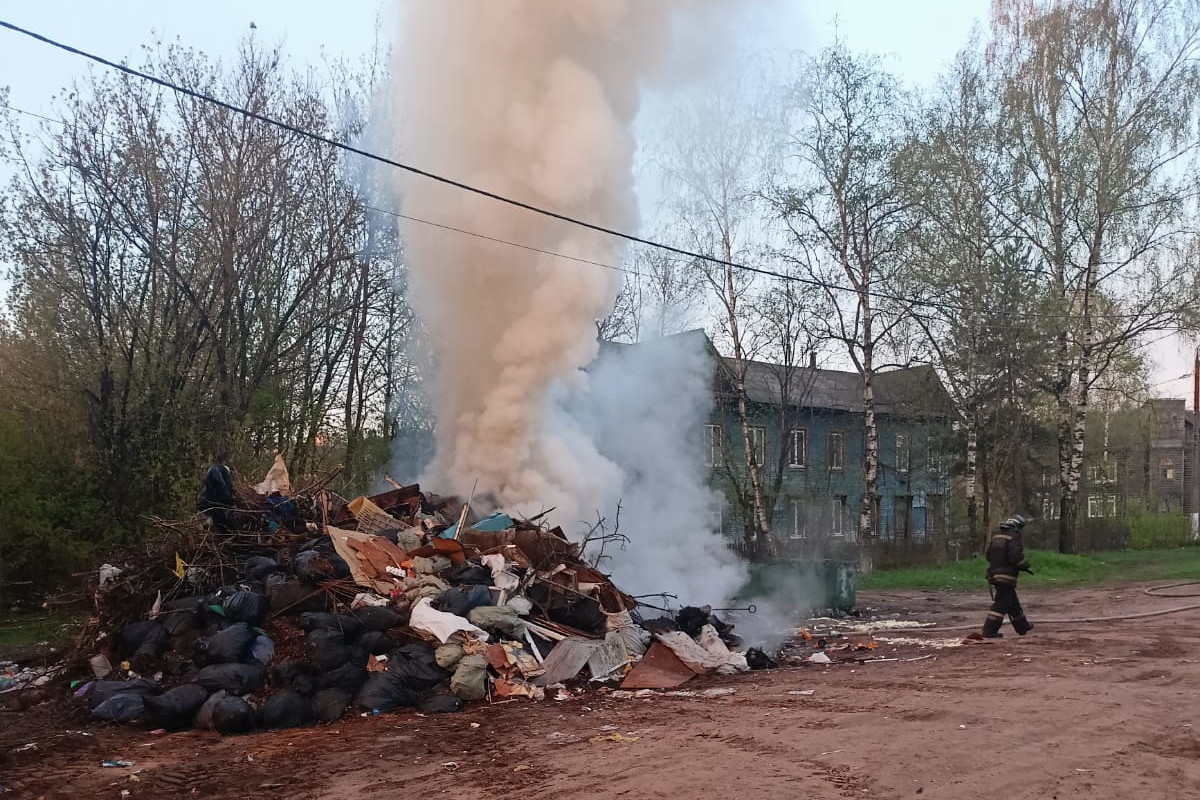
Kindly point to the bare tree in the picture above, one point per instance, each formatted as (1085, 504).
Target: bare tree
(845, 216)
(1098, 127)
(713, 167)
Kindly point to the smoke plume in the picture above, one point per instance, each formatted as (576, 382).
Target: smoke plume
(535, 100)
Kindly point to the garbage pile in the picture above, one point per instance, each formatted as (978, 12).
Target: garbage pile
(302, 606)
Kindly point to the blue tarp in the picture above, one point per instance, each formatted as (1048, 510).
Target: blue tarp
(492, 523)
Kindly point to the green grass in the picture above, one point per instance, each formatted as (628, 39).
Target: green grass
(1050, 569)
(21, 634)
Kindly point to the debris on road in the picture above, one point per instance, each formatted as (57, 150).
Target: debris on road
(300, 606)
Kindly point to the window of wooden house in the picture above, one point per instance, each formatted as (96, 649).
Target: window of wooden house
(714, 451)
(903, 452)
(798, 509)
(1166, 469)
(934, 457)
(1094, 474)
(837, 515)
(837, 450)
(902, 516)
(798, 448)
(1095, 508)
(1110, 506)
(1109, 470)
(758, 444)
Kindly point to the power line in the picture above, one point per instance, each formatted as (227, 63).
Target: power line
(338, 144)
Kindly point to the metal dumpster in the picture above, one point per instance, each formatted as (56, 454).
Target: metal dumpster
(803, 585)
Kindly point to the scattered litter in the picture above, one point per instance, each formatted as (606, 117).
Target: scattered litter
(563, 738)
(112, 762)
(803, 692)
(450, 765)
(619, 738)
(819, 658)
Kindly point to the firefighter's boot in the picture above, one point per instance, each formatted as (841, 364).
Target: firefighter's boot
(1021, 625)
(991, 625)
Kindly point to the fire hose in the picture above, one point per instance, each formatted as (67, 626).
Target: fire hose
(1153, 591)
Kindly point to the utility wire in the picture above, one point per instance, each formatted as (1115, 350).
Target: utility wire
(338, 144)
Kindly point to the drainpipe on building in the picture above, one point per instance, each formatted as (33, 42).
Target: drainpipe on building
(1195, 487)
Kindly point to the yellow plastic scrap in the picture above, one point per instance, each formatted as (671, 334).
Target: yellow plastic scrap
(180, 567)
(619, 738)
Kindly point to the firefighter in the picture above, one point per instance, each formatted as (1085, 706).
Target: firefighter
(1006, 560)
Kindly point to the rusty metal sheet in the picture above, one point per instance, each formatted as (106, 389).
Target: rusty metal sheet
(659, 669)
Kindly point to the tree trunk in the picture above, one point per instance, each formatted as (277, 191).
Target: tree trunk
(764, 546)
(866, 515)
(972, 477)
(985, 485)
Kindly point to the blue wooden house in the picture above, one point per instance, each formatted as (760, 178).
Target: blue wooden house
(807, 432)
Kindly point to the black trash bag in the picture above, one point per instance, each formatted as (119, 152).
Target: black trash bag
(176, 708)
(583, 613)
(691, 619)
(203, 719)
(192, 604)
(259, 567)
(232, 645)
(349, 677)
(340, 568)
(377, 642)
(328, 655)
(468, 574)
(382, 692)
(416, 667)
(287, 709)
(180, 621)
(313, 566)
(225, 592)
(328, 705)
(378, 618)
(146, 638)
(103, 690)
(757, 659)
(660, 625)
(461, 600)
(232, 715)
(233, 678)
(293, 595)
(247, 607)
(121, 707)
(297, 674)
(440, 704)
(348, 626)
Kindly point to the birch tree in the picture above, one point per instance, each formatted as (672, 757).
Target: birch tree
(713, 167)
(1098, 129)
(845, 216)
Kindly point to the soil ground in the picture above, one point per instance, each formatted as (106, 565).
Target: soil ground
(1085, 710)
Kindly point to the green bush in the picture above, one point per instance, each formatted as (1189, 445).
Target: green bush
(1152, 531)
(51, 520)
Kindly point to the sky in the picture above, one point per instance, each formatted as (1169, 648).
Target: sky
(916, 39)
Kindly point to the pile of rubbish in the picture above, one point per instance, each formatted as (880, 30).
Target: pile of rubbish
(297, 607)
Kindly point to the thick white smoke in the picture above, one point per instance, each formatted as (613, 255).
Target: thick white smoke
(534, 100)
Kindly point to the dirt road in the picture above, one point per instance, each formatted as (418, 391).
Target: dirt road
(1097, 711)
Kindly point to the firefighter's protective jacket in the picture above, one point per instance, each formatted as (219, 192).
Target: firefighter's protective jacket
(1006, 557)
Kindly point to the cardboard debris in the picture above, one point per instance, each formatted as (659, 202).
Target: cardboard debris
(660, 668)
